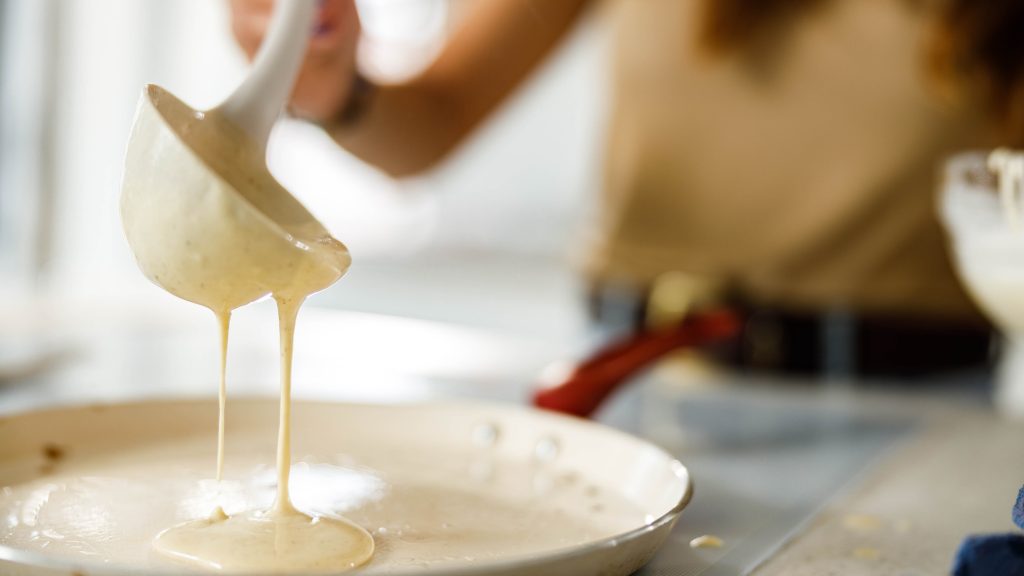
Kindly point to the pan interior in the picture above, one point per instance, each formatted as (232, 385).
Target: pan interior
(438, 486)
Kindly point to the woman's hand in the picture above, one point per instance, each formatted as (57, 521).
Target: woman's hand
(325, 80)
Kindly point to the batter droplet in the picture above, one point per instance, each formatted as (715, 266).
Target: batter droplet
(707, 541)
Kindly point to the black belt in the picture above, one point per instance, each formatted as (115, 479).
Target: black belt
(835, 343)
(856, 345)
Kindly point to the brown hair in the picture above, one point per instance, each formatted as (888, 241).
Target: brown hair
(741, 24)
(978, 43)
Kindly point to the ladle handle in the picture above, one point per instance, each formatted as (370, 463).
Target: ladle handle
(256, 104)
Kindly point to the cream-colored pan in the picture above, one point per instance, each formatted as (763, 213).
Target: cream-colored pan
(454, 489)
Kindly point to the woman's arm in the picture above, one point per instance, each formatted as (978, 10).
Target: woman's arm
(406, 128)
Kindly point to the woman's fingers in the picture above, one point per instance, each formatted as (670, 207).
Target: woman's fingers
(326, 75)
(249, 22)
(337, 21)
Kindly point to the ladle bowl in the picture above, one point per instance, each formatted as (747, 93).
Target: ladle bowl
(203, 216)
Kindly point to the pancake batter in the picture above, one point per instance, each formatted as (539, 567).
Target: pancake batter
(231, 236)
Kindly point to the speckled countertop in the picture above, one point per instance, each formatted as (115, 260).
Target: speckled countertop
(958, 474)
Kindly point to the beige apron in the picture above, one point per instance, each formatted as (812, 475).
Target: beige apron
(803, 178)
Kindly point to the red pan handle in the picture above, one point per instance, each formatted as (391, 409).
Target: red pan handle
(592, 381)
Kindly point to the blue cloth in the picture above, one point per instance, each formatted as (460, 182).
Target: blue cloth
(1018, 509)
(991, 555)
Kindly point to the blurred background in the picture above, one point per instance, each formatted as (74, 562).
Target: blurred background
(70, 75)
(834, 215)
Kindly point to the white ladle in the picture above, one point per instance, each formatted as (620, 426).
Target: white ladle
(203, 216)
